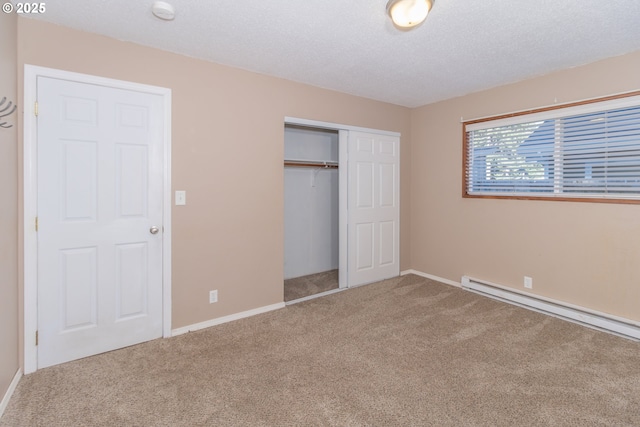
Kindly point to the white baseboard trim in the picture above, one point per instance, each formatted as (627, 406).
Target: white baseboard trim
(225, 319)
(12, 387)
(586, 317)
(432, 277)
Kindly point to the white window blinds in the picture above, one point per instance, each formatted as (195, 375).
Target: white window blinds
(583, 151)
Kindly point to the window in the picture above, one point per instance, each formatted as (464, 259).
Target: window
(587, 151)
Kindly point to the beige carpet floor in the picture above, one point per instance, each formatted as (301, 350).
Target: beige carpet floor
(403, 352)
(312, 284)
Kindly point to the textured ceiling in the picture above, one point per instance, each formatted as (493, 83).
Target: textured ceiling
(351, 46)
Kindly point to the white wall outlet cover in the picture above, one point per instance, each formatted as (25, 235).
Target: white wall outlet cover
(528, 282)
(213, 296)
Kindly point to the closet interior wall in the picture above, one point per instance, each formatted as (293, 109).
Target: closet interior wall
(310, 201)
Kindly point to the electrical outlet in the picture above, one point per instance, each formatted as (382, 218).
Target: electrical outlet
(528, 282)
(213, 296)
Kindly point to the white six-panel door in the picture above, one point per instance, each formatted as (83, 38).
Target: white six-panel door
(100, 193)
(373, 207)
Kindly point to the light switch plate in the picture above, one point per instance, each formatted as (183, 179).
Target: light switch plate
(181, 198)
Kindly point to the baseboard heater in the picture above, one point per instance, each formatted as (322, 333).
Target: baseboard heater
(593, 319)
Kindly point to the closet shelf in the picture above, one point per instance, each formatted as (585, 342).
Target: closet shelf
(312, 164)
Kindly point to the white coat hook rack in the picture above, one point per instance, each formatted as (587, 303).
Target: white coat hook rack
(6, 111)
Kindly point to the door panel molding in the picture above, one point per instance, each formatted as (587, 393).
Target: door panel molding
(30, 193)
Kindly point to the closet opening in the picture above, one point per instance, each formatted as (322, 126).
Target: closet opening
(311, 212)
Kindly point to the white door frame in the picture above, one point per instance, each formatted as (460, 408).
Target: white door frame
(31, 73)
(343, 135)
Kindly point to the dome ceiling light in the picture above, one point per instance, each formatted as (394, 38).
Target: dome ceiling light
(408, 13)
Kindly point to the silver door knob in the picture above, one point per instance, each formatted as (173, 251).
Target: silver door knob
(154, 230)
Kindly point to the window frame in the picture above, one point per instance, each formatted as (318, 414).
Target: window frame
(550, 112)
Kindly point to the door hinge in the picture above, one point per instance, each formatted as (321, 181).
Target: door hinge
(36, 337)
(35, 109)
(36, 223)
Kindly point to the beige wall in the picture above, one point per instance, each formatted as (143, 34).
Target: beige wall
(8, 208)
(227, 154)
(583, 253)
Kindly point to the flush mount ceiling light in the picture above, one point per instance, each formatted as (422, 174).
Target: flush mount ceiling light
(408, 13)
(163, 10)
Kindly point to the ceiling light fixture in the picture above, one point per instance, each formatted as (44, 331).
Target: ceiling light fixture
(408, 13)
(163, 10)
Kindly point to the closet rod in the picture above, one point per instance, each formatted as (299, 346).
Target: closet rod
(325, 165)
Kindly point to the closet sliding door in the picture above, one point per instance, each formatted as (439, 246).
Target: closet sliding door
(373, 207)
(368, 206)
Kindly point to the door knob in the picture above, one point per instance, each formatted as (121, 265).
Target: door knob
(154, 230)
